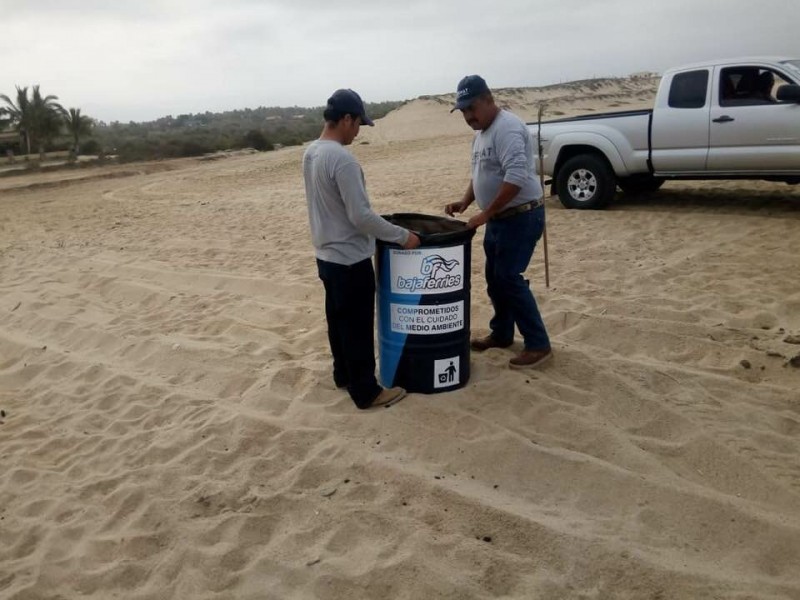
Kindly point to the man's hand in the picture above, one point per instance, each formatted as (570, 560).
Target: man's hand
(412, 241)
(455, 207)
(478, 220)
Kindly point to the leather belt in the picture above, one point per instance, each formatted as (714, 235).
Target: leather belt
(518, 210)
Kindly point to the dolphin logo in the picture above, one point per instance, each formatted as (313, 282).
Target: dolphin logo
(432, 265)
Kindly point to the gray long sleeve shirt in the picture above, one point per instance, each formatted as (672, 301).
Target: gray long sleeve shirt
(343, 225)
(504, 152)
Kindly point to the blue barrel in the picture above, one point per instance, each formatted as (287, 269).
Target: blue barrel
(424, 305)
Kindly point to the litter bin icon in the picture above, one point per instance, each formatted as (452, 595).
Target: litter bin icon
(449, 375)
(424, 305)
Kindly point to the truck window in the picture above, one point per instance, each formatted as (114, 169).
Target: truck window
(749, 86)
(688, 90)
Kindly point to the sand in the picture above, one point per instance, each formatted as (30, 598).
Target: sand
(171, 429)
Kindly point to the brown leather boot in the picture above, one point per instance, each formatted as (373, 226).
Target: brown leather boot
(484, 343)
(530, 358)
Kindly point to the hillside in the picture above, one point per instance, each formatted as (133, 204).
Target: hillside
(265, 128)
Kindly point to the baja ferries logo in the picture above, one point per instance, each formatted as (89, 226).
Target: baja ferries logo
(435, 271)
(435, 264)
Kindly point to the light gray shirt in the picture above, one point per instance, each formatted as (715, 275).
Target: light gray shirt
(343, 225)
(504, 152)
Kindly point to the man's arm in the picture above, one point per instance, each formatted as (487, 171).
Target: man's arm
(466, 200)
(350, 180)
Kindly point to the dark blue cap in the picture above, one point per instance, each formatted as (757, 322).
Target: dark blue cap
(468, 89)
(348, 102)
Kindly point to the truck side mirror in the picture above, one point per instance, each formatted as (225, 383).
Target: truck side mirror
(788, 93)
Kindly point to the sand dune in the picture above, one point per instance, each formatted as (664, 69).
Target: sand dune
(171, 429)
(429, 117)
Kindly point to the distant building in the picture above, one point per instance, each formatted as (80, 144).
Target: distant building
(8, 140)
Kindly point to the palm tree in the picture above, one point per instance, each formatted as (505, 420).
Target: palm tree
(20, 114)
(37, 117)
(46, 118)
(77, 125)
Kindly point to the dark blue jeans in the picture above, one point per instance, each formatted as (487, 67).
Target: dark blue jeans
(350, 312)
(509, 245)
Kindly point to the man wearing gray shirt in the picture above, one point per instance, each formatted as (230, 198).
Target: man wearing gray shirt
(343, 230)
(508, 192)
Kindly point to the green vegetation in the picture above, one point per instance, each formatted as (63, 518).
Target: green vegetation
(38, 121)
(77, 125)
(44, 125)
(196, 134)
(37, 118)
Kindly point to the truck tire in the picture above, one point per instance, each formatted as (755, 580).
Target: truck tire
(586, 181)
(640, 184)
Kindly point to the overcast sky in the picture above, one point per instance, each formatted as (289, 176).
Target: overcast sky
(143, 59)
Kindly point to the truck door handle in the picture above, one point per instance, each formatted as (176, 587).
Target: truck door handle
(724, 119)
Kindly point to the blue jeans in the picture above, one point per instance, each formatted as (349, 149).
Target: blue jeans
(509, 245)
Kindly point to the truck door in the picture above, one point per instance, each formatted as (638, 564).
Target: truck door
(750, 130)
(679, 134)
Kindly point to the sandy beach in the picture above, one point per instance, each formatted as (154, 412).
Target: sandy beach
(170, 427)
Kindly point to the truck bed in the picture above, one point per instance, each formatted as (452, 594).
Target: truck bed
(608, 115)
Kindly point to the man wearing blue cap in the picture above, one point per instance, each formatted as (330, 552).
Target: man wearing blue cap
(343, 230)
(510, 196)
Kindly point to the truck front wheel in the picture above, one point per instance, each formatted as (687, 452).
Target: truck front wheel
(586, 181)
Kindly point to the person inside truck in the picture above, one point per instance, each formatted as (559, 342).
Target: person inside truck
(764, 85)
(750, 87)
(728, 90)
(746, 86)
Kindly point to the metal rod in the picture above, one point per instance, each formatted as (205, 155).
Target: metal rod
(542, 106)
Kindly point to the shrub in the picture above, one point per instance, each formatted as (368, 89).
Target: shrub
(255, 139)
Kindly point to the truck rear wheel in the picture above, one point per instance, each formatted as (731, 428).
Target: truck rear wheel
(640, 184)
(586, 181)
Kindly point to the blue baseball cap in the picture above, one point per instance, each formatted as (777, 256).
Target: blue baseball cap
(468, 89)
(348, 102)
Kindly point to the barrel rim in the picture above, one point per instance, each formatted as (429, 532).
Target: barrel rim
(433, 239)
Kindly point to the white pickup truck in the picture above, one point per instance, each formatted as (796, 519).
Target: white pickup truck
(731, 119)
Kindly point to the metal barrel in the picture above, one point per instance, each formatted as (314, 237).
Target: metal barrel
(423, 300)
